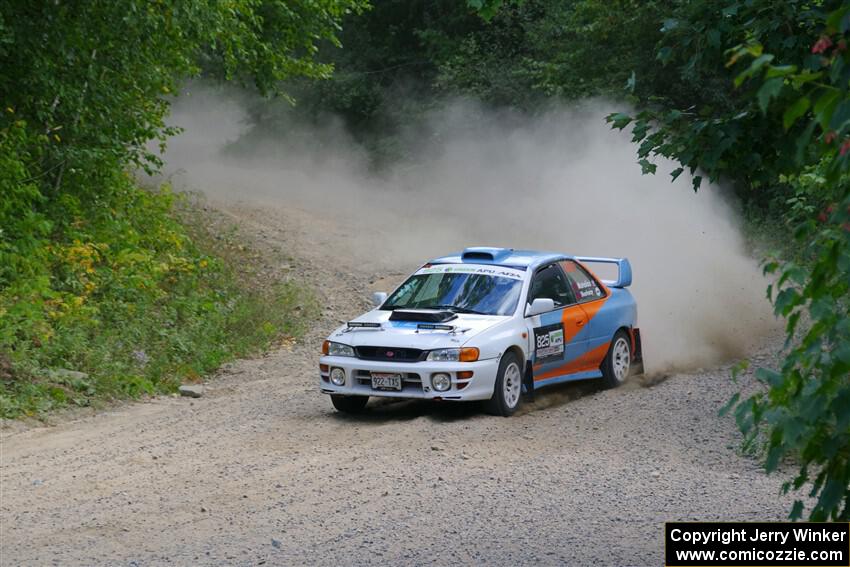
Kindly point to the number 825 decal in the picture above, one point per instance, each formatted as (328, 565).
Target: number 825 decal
(549, 342)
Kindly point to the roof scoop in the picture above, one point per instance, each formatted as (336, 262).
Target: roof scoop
(486, 254)
(423, 315)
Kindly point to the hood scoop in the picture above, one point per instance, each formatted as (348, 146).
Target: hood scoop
(423, 315)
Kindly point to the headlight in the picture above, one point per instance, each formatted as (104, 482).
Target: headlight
(336, 349)
(466, 354)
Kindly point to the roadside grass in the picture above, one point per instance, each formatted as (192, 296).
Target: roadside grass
(136, 296)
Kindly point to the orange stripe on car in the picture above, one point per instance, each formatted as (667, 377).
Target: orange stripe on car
(574, 319)
(588, 361)
(591, 308)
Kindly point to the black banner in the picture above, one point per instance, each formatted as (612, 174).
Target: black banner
(549, 343)
(757, 544)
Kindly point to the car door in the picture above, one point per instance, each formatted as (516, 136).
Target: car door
(557, 337)
(593, 298)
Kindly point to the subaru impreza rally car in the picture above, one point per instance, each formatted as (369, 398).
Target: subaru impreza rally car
(487, 324)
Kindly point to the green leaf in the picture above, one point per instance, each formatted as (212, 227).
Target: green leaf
(842, 352)
(806, 76)
(755, 67)
(840, 116)
(768, 91)
(646, 167)
(803, 142)
(774, 454)
(832, 494)
(697, 181)
(796, 511)
(676, 173)
(618, 120)
(825, 106)
(839, 19)
(487, 9)
(714, 37)
(795, 111)
(729, 405)
(786, 300)
(731, 10)
(771, 377)
(780, 70)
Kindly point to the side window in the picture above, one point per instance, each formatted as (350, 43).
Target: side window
(549, 282)
(583, 286)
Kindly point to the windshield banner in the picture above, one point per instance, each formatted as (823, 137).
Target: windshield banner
(495, 271)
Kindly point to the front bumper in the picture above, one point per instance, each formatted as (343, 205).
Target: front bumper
(416, 378)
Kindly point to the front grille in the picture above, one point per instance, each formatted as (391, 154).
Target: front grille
(410, 381)
(390, 354)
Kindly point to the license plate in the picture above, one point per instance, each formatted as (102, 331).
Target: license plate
(384, 381)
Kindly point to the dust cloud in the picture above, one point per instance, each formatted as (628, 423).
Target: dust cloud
(562, 181)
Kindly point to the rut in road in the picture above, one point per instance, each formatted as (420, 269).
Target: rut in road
(261, 469)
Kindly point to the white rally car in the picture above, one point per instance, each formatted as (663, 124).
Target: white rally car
(486, 324)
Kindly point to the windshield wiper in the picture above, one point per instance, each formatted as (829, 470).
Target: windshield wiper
(455, 309)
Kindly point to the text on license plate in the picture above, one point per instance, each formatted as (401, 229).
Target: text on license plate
(385, 381)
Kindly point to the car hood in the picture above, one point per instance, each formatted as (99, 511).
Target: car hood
(407, 334)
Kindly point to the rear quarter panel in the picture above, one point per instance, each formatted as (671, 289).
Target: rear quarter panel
(617, 310)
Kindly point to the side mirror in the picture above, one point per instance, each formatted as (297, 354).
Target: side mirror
(540, 305)
(378, 298)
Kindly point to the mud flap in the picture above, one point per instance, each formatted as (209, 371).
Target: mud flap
(528, 382)
(637, 352)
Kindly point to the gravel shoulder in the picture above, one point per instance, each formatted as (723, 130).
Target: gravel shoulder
(261, 470)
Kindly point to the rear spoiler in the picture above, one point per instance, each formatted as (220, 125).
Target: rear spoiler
(624, 269)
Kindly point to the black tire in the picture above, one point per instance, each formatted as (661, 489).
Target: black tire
(506, 401)
(349, 404)
(617, 363)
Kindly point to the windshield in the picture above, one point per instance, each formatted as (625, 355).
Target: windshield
(460, 292)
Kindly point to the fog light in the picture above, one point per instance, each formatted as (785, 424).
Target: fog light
(338, 376)
(441, 382)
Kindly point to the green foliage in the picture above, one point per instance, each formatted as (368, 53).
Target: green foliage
(567, 50)
(95, 275)
(385, 74)
(487, 9)
(129, 298)
(806, 410)
(23, 229)
(90, 78)
(403, 57)
(783, 135)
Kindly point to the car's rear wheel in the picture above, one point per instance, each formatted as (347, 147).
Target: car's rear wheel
(349, 404)
(507, 393)
(617, 363)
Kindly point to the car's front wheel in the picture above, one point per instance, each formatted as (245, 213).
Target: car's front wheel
(349, 404)
(507, 393)
(617, 363)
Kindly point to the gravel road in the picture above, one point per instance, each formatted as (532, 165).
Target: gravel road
(261, 470)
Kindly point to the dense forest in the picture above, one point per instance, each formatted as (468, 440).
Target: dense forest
(750, 92)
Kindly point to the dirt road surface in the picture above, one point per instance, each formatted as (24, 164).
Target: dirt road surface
(261, 470)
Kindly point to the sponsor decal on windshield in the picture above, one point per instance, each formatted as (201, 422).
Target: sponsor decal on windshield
(494, 271)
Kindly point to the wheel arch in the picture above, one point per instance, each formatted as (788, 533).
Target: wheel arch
(527, 368)
(629, 330)
(517, 350)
